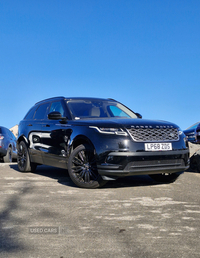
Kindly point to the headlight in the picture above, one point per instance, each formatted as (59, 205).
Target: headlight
(180, 132)
(186, 141)
(110, 130)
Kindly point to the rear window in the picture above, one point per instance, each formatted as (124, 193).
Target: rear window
(30, 113)
(41, 112)
(37, 112)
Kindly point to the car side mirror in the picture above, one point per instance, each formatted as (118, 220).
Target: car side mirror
(55, 115)
(138, 115)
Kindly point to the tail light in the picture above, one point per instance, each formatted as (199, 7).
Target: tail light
(1, 138)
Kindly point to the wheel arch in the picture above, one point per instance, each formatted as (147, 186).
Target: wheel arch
(81, 139)
(10, 146)
(22, 138)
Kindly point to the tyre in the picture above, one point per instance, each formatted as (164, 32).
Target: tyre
(82, 168)
(195, 162)
(23, 159)
(8, 157)
(165, 177)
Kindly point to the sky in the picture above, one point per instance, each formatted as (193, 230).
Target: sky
(143, 53)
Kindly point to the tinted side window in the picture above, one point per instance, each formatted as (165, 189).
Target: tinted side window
(3, 131)
(41, 112)
(30, 114)
(57, 106)
(11, 135)
(8, 132)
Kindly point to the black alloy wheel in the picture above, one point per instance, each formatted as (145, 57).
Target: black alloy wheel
(82, 168)
(23, 159)
(165, 177)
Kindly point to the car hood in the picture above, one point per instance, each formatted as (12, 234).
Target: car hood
(189, 131)
(123, 122)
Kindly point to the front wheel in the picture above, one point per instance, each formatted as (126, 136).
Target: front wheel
(23, 159)
(82, 168)
(165, 177)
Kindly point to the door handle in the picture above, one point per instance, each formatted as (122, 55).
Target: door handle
(30, 125)
(45, 125)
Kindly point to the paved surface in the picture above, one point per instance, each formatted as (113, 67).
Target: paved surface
(43, 214)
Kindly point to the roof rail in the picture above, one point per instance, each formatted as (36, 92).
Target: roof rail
(112, 99)
(61, 97)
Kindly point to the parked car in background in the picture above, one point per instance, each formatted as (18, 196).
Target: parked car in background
(99, 140)
(190, 132)
(197, 134)
(8, 149)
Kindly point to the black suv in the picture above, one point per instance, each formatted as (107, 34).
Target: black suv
(99, 140)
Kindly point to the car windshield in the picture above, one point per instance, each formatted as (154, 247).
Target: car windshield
(81, 109)
(193, 126)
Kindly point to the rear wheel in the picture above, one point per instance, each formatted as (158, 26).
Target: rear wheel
(8, 157)
(23, 159)
(82, 168)
(165, 177)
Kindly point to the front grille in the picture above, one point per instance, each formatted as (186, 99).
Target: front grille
(154, 134)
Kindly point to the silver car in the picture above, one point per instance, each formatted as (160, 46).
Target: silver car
(8, 150)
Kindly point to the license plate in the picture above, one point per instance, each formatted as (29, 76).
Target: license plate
(158, 146)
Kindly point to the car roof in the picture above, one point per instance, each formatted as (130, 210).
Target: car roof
(3, 127)
(49, 99)
(71, 98)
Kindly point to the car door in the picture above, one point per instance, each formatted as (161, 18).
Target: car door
(35, 133)
(55, 138)
(13, 142)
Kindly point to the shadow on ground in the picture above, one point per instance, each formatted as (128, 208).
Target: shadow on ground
(62, 177)
(9, 230)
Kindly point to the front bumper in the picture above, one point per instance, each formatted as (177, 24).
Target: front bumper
(120, 164)
(197, 137)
